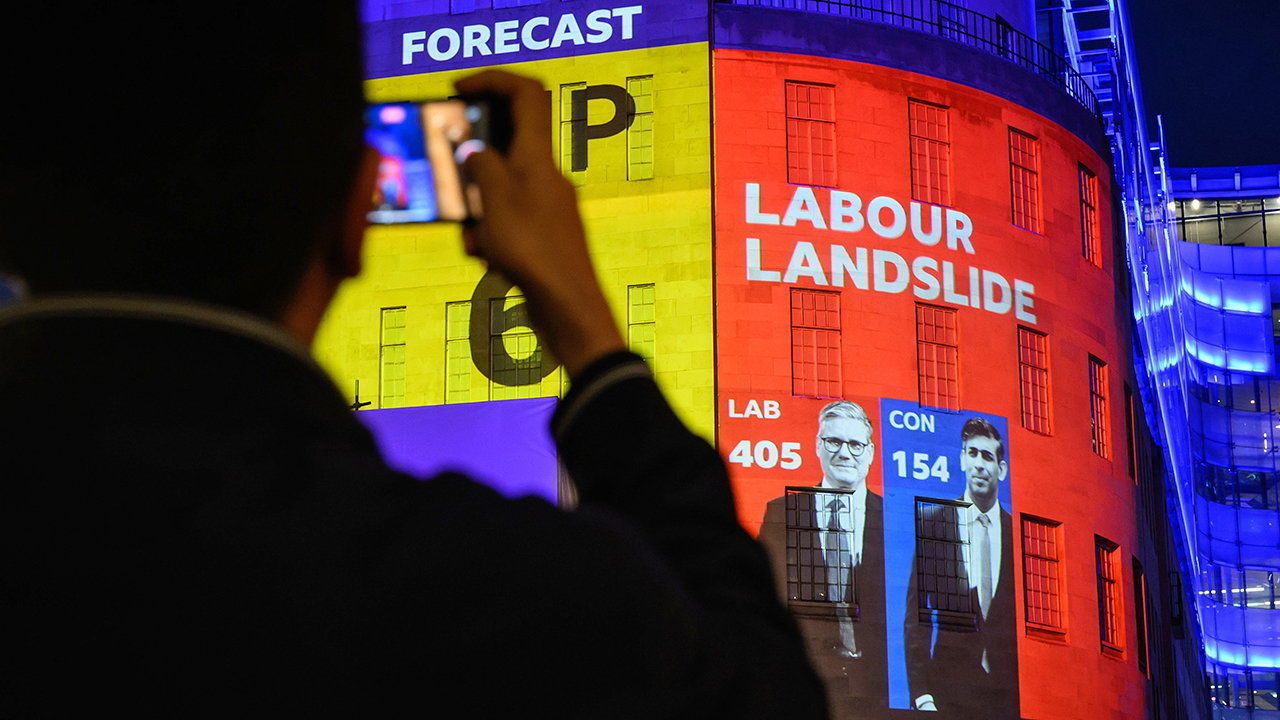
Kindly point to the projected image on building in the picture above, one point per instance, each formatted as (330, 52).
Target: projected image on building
(948, 487)
(882, 282)
(901, 272)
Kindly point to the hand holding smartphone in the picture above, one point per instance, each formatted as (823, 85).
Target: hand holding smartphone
(532, 230)
(422, 147)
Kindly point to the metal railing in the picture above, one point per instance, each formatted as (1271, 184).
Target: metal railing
(959, 24)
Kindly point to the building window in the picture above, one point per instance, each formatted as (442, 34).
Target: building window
(943, 591)
(641, 321)
(391, 359)
(1024, 178)
(1042, 574)
(1140, 614)
(457, 352)
(1242, 588)
(515, 355)
(640, 130)
(811, 134)
(571, 127)
(815, 343)
(1033, 380)
(819, 534)
(1090, 229)
(930, 127)
(1252, 222)
(1099, 432)
(1108, 569)
(1242, 688)
(938, 357)
(1131, 432)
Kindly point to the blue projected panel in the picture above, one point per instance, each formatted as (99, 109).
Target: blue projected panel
(944, 626)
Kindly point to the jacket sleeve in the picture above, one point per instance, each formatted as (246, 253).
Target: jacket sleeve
(628, 454)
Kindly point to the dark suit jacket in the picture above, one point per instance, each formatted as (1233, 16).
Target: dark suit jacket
(950, 668)
(194, 524)
(867, 676)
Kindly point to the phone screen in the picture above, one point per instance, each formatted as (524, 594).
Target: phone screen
(422, 146)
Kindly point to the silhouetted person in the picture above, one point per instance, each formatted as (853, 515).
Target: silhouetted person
(194, 523)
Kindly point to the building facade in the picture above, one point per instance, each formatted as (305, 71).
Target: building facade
(1223, 231)
(878, 252)
(425, 325)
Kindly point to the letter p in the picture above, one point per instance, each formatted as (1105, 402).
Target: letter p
(624, 113)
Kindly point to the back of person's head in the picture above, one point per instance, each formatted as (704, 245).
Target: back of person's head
(194, 150)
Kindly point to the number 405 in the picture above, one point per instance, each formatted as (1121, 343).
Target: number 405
(766, 454)
(923, 466)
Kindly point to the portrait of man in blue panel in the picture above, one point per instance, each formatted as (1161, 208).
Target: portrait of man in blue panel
(959, 639)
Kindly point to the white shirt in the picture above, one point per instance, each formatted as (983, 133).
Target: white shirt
(969, 516)
(859, 498)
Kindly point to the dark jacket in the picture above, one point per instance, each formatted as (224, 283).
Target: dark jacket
(862, 682)
(196, 525)
(950, 668)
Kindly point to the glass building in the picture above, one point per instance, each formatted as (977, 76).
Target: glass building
(1223, 232)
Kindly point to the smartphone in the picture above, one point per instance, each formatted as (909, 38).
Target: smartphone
(422, 146)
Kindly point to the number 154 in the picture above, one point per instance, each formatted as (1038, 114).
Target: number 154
(921, 467)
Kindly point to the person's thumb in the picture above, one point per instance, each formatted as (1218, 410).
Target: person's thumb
(489, 172)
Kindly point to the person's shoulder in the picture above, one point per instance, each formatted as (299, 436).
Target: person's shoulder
(527, 537)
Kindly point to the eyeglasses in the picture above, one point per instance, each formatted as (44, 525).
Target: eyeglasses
(833, 446)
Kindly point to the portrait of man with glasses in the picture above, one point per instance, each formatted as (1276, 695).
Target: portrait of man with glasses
(834, 559)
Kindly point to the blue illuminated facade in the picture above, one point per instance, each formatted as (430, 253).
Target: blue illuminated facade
(1215, 338)
(1204, 256)
(1203, 248)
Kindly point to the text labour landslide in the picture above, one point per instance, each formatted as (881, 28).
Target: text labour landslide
(929, 276)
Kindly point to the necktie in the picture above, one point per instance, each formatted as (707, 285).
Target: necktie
(984, 563)
(839, 559)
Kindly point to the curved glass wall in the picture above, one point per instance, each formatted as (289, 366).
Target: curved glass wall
(1243, 692)
(1207, 315)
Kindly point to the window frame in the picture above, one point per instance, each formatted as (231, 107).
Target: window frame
(1019, 171)
(644, 116)
(949, 617)
(1099, 408)
(1026, 371)
(1036, 628)
(383, 346)
(798, 125)
(1110, 596)
(633, 324)
(922, 362)
(945, 172)
(1090, 217)
(818, 330)
(1141, 618)
(452, 340)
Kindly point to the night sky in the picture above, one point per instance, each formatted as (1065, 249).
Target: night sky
(1212, 68)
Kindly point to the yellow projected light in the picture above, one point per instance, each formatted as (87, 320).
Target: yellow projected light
(419, 327)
